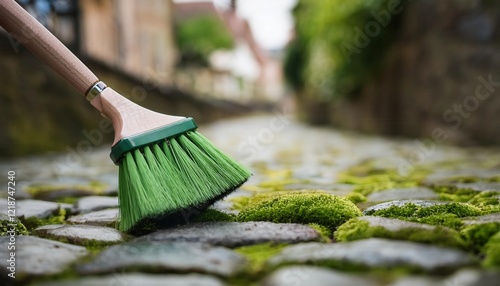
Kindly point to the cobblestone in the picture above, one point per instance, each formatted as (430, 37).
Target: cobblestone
(233, 234)
(296, 159)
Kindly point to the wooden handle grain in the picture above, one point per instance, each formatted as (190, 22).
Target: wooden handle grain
(25, 29)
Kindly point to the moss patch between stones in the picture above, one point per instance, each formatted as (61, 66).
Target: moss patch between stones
(6, 226)
(67, 200)
(356, 197)
(356, 229)
(369, 179)
(32, 223)
(479, 234)
(240, 203)
(441, 215)
(323, 231)
(487, 201)
(327, 210)
(258, 255)
(93, 187)
(492, 251)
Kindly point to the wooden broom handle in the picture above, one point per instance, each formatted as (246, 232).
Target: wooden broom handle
(26, 29)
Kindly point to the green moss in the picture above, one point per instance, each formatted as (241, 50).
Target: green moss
(67, 200)
(441, 215)
(323, 231)
(369, 179)
(356, 197)
(327, 210)
(486, 198)
(93, 187)
(213, 215)
(340, 68)
(492, 251)
(479, 234)
(258, 255)
(448, 220)
(32, 223)
(458, 209)
(240, 203)
(454, 194)
(356, 229)
(487, 201)
(400, 212)
(5, 227)
(412, 210)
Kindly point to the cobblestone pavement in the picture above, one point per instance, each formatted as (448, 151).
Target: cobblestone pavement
(323, 207)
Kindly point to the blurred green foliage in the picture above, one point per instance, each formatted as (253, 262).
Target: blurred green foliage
(197, 38)
(339, 44)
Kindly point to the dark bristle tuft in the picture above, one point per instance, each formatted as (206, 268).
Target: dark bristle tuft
(165, 183)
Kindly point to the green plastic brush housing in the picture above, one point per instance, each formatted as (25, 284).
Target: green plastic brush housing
(151, 137)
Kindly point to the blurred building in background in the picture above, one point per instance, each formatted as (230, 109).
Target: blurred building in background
(192, 45)
(133, 36)
(241, 71)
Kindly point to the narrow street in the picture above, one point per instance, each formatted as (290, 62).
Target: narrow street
(449, 189)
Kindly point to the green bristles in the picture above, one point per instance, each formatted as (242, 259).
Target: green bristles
(172, 175)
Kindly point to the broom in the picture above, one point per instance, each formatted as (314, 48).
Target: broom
(166, 168)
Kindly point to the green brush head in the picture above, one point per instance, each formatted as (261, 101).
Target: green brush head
(163, 182)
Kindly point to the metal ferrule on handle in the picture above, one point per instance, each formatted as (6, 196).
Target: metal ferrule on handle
(95, 90)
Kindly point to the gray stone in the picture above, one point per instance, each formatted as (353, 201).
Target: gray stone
(80, 234)
(395, 224)
(309, 275)
(38, 256)
(419, 281)
(401, 203)
(233, 234)
(108, 217)
(377, 253)
(479, 186)
(482, 219)
(95, 203)
(124, 279)
(473, 277)
(165, 256)
(35, 208)
(412, 193)
(448, 176)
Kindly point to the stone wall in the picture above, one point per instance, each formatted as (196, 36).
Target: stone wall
(432, 82)
(40, 112)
